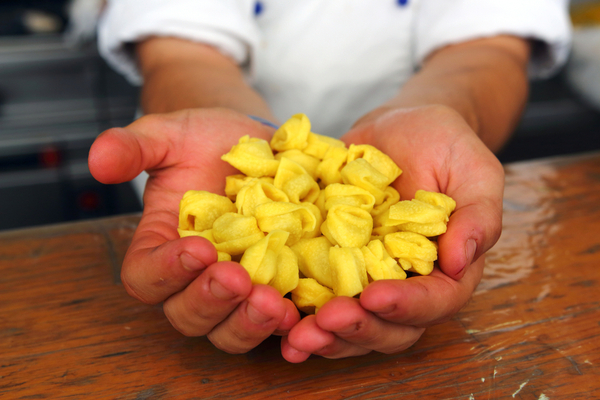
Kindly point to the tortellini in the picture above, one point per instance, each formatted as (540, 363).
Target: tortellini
(314, 218)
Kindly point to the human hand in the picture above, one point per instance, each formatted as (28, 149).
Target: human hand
(181, 151)
(437, 151)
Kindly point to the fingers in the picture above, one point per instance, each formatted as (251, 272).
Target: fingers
(291, 318)
(342, 328)
(421, 301)
(472, 231)
(151, 274)
(345, 317)
(253, 321)
(308, 338)
(223, 305)
(115, 157)
(209, 299)
(476, 224)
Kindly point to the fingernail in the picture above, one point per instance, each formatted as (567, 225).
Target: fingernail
(256, 316)
(190, 263)
(470, 249)
(220, 292)
(385, 310)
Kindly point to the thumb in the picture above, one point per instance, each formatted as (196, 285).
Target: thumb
(472, 230)
(116, 156)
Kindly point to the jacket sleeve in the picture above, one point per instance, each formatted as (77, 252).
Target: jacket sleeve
(228, 25)
(545, 22)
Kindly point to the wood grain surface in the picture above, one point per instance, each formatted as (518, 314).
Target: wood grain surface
(531, 330)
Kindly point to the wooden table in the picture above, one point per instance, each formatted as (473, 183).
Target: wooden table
(531, 331)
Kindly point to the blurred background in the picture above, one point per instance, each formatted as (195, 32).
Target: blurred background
(57, 95)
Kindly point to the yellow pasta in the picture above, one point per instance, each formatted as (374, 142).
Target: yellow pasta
(329, 170)
(309, 295)
(207, 234)
(313, 259)
(314, 218)
(198, 209)
(270, 261)
(379, 264)
(293, 134)
(437, 199)
(255, 193)
(414, 251)
(299, 220)
(419, 217)
(319, 145)
(293, 179)
(377, 159)
(348, 271)
(349, 195)
(253, 157)
(234, 233)
(309, 163)
(390, 197)
(347, 226)
(234, 183)
(287, 276)
(361, 173)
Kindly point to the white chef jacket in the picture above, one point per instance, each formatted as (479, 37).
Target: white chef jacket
(333, 60)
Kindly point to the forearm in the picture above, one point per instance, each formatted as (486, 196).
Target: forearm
(485, 81)
(180, 74)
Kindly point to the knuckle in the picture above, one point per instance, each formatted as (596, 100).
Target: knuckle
(134, 291)
(184, 326)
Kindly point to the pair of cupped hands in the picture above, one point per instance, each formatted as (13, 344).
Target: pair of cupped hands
(434, 147)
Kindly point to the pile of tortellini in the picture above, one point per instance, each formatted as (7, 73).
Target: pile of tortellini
(310, 216)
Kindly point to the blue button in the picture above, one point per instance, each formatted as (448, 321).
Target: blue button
(258, 8)
(402, 2)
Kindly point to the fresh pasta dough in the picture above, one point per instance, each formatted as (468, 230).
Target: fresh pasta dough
(314, 218)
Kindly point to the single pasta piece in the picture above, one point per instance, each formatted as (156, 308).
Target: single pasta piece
(253, 157)
(309, 163)
(347, 226)
(319, 145)
(329, 170)
(313, 259)
(233, 184)
(299, 220)
(309, 295)
(198, 209)
(419, 217)
(414, 251)
(339, 193)
(378, 160)
(437, 199)
(296, 182)
(255, 193)
(264, 262)
(348, 271)
(379, 263)
(362, 174)
(287, 276)
(390, 197)
(234, 233)
(292, 134)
